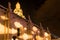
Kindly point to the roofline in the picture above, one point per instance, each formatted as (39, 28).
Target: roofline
(3, 7)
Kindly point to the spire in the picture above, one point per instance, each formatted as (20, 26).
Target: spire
(30, 20)
(41, 26)
(48, 30)
(9, 7)
(41, 30)
(18, 10)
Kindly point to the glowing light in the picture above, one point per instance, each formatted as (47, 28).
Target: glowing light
(4, 30)
(18, 10)
(18, 5)
(4, 17)
(32, 32)
(17, 24)
(25, 28)
(25, 36)
(13, 31)
(39, 38)
(15, 39)
(46, 34)
(46, 38)
(1, 28)
(38, 31)
(34, 28)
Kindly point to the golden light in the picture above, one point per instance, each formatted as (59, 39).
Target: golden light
(25, 28)
(17, 24)
(46, 38)
(39, 38)
(38, 31)
(34, 28)
(35, 32)
(30, 36)
(14, 31)
(32, 32)
(25, 36)
(3, 17)
(1, 28)
(19, 11)
(46, 34)
(4, 30)
(18, 5)
(15, 39)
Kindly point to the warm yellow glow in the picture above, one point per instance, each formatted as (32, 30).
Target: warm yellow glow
(46, 38)
(30, 36)
(15, 39)
(11, 31)
(14, 31)
(17, 24)
(39, 38)
(3, 17)
(18, 10)
(25, 28)
(38, 31)
(46, 34)
(18, 5)
(32, 32)
(26, 36)
(1, 28)
(34, 28)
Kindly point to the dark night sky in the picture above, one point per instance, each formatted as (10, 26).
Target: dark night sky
(27, 5)
(43, 11)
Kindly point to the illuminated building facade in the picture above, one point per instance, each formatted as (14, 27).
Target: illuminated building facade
(15, 26)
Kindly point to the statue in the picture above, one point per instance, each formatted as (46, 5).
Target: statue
(18, 10)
